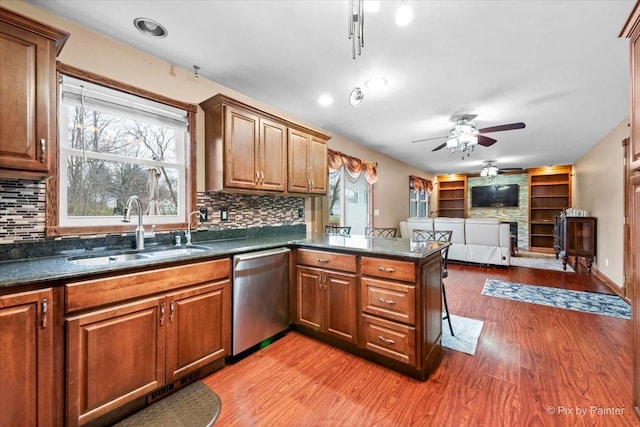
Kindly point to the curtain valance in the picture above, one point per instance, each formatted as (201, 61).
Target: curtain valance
(420, 184)
(353, 166)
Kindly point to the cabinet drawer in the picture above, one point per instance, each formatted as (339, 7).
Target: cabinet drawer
(330, 260)
(109, 290)
(390, 339)
(391, 300)
(389, 269)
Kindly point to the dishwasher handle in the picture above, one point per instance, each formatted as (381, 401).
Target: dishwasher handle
(255, 255)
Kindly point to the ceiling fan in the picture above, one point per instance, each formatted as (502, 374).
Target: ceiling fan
(490, 170)
(465, 136)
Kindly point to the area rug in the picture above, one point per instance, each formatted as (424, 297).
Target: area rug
(191, 406)
(588, 302)
(540, 262)
(467, 332)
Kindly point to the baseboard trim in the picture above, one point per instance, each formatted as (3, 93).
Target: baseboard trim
(606, 280)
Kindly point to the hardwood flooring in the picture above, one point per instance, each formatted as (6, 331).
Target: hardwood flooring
(534, 366)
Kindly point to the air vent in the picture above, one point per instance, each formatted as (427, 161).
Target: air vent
(160, 393)
(192, 376)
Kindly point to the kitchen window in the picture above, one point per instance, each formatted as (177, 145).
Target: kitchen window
(114, 144)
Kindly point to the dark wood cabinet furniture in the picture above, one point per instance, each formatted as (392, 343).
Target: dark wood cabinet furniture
(249, 149)
(575, 236)
(549, 195)
(26, 368)
(326, 285)
(452, 196)
(28, 82)
(132, 334)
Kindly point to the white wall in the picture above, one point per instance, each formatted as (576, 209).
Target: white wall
(598, 187)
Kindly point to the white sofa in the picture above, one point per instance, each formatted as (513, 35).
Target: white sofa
(482, 241)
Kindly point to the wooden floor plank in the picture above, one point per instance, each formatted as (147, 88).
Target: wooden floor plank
(534, 366)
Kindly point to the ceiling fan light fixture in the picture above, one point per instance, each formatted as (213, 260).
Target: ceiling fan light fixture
(356, 96)
(150, 28)
(452, 143)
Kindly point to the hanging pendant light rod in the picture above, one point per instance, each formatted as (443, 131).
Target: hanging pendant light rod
(356, 26)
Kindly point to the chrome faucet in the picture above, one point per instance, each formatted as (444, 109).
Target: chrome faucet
(189, 225)
(127, 218)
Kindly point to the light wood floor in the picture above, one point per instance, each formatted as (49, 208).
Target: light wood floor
(534, 366)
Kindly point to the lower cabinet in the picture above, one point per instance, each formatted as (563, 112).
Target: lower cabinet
(326, 286)
(26, 366)
(121, 352)
(326, 302)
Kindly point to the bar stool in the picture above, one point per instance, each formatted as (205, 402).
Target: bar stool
(380, 231)
(337, 229)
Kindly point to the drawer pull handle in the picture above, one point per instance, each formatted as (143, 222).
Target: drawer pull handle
(386, 269)
(386, 301)
(386, 340)
(324, 260)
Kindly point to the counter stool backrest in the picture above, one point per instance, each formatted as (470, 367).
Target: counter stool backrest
(336, 229)
(380, 231)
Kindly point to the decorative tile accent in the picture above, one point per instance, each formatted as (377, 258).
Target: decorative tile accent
(22, 210)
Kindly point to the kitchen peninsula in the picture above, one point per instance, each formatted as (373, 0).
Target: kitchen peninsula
(374, 297)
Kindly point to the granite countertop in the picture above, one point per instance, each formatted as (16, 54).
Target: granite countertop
(45, 269)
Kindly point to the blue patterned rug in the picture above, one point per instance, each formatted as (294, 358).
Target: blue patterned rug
(589, 302)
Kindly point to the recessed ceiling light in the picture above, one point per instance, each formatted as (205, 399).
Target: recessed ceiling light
(404, 15)
(150, 27)
(376, 83)
(325, 100)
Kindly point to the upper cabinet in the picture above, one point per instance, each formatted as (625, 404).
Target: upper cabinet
(248, 149)
(631, 31)
(307, 163)
(28, 102)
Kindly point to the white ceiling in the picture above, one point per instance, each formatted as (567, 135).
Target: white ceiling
(558, 66)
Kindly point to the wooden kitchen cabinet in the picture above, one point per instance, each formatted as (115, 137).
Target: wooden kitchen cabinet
(119, 353)
(249, 149)
(26, 368)
(28, 104)
(307, 163)
(245, 150)
(327, 297)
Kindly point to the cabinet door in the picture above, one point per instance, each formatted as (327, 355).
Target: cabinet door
(27, 104)
(310, 298)
(273, 155)
(298, 165)
(26, 367)
(113, 357)
(340, 305)
(318, 165)
(241, 148)
(198, 328)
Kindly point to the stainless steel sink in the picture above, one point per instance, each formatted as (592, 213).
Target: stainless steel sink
(154, 253)
(107, 259)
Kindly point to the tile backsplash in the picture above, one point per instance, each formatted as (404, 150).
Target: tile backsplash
(22, 210)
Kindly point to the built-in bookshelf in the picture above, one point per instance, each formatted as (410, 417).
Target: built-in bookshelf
(549, 195)
(452, 196)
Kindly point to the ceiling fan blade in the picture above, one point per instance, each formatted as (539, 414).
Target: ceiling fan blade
(500, 128)
(485, 141)
(429, 139)
(439, 147)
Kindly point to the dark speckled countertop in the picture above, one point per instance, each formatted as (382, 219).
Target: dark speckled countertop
(45, 269)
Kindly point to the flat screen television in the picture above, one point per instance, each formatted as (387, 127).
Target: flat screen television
(494, 196)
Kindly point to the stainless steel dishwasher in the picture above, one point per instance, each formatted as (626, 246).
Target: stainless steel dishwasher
(260, 297)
